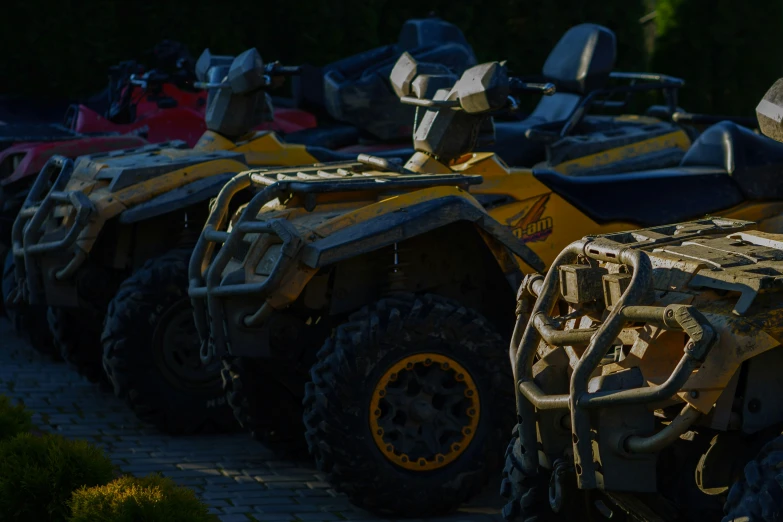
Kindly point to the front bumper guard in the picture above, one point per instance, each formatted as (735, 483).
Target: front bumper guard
(28, 228)
(580, 402)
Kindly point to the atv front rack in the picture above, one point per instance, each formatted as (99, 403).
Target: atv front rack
(206, 288)
(626, 248)
(28, 226)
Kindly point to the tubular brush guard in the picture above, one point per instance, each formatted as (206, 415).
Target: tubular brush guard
(28, 226)
(541, 326)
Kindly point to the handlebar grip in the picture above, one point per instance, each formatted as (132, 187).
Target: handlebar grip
(429, 104)
(547, 88)
(285, 70)
(541, 136)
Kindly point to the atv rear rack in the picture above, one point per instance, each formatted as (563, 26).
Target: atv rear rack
(205, 276)
(28, 226)
(627, 248)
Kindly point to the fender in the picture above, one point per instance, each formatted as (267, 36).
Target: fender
(414, 220)
(177, 199)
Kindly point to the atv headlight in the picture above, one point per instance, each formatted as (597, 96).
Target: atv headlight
(268, 260)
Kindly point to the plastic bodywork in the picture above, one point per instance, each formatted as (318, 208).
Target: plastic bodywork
(659, 319)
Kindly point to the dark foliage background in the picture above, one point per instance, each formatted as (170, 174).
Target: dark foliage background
(729, 52)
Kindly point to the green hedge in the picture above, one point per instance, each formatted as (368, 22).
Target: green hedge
(48, 478)
(14, 419)
(130, 499)
(38, 475)
(728, 51)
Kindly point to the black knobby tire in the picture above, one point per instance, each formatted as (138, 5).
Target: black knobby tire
(9, 286)
(77, 338)
(523, 487)
(265, 406)
(151, 351)
(27, 320)
(349, 365)
(5, 250)
(758, 497)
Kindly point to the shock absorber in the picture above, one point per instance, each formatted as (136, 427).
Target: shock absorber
(397, 279)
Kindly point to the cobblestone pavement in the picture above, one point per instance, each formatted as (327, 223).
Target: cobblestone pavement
(239, 478)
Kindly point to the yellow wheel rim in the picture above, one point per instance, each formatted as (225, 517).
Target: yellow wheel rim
(424, 411)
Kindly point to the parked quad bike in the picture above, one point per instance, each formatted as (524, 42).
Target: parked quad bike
(646, 372)
(122, 223)
(405, 277)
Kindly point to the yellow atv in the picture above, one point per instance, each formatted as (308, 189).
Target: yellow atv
(85, 226)
(394, 287)
(647, 372)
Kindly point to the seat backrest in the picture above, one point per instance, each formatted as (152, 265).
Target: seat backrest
(579, 63)
(582, 59)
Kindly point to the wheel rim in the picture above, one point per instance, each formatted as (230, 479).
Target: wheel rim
(177, 347)
(424, 412)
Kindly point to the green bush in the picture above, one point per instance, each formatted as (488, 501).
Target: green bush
(130, 499)
(14, 419)
(38, 475)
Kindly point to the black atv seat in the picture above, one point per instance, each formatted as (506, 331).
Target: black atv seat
(755, 162)
(330, 137)
(326, 155)
(576, 74)
(647, 198)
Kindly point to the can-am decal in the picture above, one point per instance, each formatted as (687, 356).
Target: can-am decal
(531, 225)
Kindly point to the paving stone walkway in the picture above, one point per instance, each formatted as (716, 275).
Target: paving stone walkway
(239, 478)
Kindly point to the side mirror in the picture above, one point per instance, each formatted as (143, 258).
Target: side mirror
(770, 112)
(202, 65)
(208, 61)
(402, 74)
(411, 78)
(483, 88)
(247, 73)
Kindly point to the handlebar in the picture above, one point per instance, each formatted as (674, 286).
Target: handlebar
(149, 77)
(545, 88)
(649, 77)
(710, 119)
(271, 70)
(516, 85)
